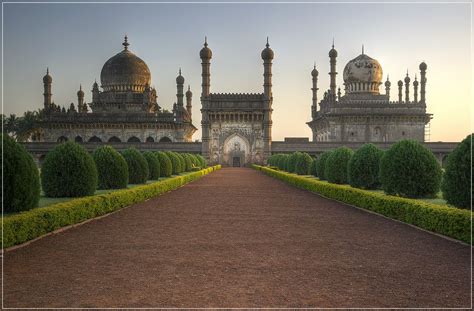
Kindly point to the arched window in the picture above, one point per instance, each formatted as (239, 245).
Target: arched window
(133, 139)
(150, 139)
(165, 140)
(95, 139)
(62, 139)
(114, 139)
(377, 134)
(78, 139)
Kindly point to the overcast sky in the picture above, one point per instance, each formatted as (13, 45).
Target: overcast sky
(75, 40)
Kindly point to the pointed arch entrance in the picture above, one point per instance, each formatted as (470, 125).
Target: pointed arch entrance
(236, 150)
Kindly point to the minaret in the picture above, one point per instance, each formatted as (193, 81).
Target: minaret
(180, 89)
(47, 81)
(314, 89)
(80, 99)
(189, 99)
(267, 56)
(387, 88)
(333, 73)
(407, 89)
(95, 92)
(415, 90)
(400, 91)
(423, 68)
(205, 54)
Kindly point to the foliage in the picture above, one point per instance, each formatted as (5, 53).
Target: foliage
(69, 171)
(175, 162)
(137, 166)
(202, 160)
(293, 159)
(24, 128)
(182, 161)
(321, 165)
(111, 167)
(283, 161)
(363, 169)
(22, 227)
(452, 222)
(21, 187)
(457, 182)
(166, 167)
(188, 159)
(303, 164)
(409, 169)
(313, 169)
(336, 165)
(153, 165)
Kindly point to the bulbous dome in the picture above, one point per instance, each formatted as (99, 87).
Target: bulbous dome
(205, 52)
(314, 72)
(179, 78)
(80, 93)
(363, 69)
(267, 52)
(188, 92)
(47, 78)
(332, 52)
(125, 71)
(423, 66)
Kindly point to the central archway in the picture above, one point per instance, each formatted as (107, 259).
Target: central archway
(236, 150)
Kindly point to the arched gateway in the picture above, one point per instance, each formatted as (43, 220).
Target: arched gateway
(236, 151)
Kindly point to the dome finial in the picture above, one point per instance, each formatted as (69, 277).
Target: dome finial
(362, 49)
(125, 42)
(333, 42)
(267, 45)
(314, 65)
(80, 87)
(205, 41)
(47, 70)
(179, 70)
(189, 87)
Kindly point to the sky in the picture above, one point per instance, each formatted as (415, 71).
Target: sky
(75, 40)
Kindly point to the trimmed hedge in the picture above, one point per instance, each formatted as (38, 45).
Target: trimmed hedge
(457, 182)
(321, 165)
(137, 166)
(111, 167)
(452, 222)
(26, 226)
(335, 169)
(313, 170)
(153, 165)
(69, 171)
(202, 160)
(292, 161)
(166, 167)
(21, 186)
(188, 161)
(409, 169)
(182, 161)
(303, 164)
(175, 162)
(363, 168)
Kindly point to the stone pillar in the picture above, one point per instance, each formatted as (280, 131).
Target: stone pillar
(400, 94)
(267, 56)
(189, 100)
(423, 68)
(407, 89)
(333, 73)
(47, 81)
(387, 88)
(205, 55)
(415, 91)
(80, 99)
(314, 89)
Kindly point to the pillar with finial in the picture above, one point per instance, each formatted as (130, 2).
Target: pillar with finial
(400, 91)
(407, 89)
(423, 68)
(189, 100)
(332, 73)
(95, 92)
(267, 56)
(415, 90)
(387, 88)
(80, 99)
(47, 81)
(338, 94)
(205, 54)
(314, 89)
(125, 43)
(180, 89)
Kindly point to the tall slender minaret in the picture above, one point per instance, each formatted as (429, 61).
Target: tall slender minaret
(387, 88)
(80, 99)
(407, 89)
(400, 91)
(423, 68)
(415, 90)
(180, 89)
(333, 73)
(267, 56)
(314, 89)
(189, 100)
(205, 55)
(95, 92)
(47, 81)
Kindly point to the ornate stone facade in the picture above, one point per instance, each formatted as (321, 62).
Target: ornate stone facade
(236, 128)
(126, 110)
(362, 114)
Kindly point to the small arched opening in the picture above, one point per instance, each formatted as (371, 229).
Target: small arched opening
(62, 139)
(133, 139)
(95, 139)
(78, 139)
(114, 139)
(150, 139)
(165, 140)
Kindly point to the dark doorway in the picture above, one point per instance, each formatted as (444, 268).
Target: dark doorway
(236, 161)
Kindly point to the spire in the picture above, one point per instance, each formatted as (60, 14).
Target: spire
(47, 70)
(125, 43)
(333, 42)
(179, 70)
(362, 49)
(205, 41)
(267, 45)
(80, 87)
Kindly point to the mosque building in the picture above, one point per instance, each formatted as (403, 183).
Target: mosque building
(125, 110)
(363, 114)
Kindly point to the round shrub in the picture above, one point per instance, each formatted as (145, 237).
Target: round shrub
(182, 161)
(137, 166)
(166, 167)
(457, 185)
(313, 169)
(69, 171)
(111, 168)
(195, 160)
(282, 161)
(153, 165)
(291, 168)
(202, 161)
(409, 169)
(336, 165)
(303, 164)
(21, 187)
(175, 162)
(188, 161)
(321, 165)
(363, 169)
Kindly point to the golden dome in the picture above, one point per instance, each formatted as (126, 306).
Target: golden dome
(125, 72)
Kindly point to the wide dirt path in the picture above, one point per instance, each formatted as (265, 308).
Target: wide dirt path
(238, 238)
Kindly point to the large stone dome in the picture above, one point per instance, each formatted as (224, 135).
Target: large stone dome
(363, 74)
(125, 72)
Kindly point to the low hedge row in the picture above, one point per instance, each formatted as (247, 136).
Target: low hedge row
(26, 226)
(451, 222)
